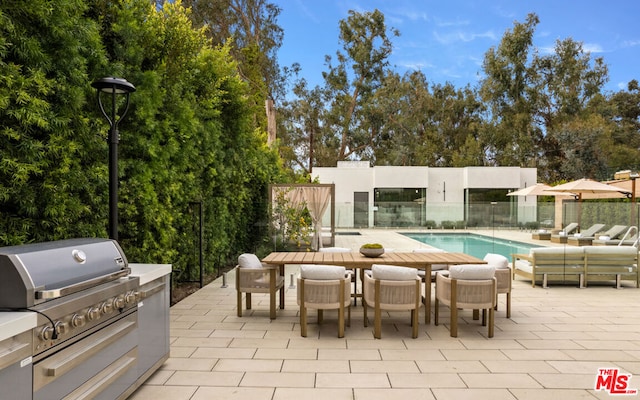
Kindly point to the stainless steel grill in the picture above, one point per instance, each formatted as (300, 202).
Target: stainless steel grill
(85, 344)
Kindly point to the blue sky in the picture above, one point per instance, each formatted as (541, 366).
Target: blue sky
(447, 39)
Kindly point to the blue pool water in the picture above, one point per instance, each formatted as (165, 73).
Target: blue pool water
(472, 244)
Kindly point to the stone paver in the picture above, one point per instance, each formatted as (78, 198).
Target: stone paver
(551, 348)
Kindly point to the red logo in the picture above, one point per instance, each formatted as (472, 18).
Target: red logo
(613, 381)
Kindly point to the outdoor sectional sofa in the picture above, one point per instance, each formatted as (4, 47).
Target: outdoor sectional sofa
(578, 264)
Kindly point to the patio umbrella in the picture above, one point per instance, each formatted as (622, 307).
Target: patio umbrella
(585, 186)
(539, 189)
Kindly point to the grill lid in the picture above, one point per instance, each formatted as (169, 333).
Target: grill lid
(33, 273)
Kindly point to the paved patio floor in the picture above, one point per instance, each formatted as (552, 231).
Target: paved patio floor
(551, 348)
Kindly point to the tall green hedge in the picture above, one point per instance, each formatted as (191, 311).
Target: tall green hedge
(190, 139)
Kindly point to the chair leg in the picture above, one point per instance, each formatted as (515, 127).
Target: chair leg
(272, 305)
(340, 320)
(454, 308)
(491, 321)
(484, 317)
(349, 315)
(377, 323)
(414, 322)
(364, 310)
(454, 320)
(320, 316)
(508, 304)
(435, 311)
(303, 320)
(239, 302)
(377, 319)
(476, 315)
(248, 298)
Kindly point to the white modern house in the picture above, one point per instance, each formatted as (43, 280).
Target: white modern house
(385, 196)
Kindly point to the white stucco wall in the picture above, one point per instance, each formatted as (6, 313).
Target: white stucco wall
(445, 186)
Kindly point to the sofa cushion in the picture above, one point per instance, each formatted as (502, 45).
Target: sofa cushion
(565, 250)
(393, 273)
(322, 272)
(614, 250)
(472, 271)
(249, 260)
(497, 260)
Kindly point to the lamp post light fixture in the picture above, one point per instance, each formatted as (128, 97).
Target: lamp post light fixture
(114, 87)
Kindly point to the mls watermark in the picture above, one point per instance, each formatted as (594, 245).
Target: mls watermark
(615, 382)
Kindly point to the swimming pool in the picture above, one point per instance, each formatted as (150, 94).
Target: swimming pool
(472, 244)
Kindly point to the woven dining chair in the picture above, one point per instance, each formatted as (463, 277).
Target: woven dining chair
(392, 288)
(252, 276)
(467, 287)
(324, 287)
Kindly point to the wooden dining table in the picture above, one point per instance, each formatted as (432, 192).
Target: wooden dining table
(355, 260)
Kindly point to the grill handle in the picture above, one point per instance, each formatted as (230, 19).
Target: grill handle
(63, 291)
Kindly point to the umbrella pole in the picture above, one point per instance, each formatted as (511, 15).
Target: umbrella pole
(579, 212)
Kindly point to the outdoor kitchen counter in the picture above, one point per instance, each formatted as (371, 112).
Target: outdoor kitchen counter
(149, 272)
(14, 323)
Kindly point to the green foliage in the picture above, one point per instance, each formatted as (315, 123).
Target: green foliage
(292, 222)
(372, 246)
(189, 143)
(50, 183)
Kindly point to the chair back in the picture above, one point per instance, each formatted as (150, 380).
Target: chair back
(324, 286)
(468, 286)
(394, 287)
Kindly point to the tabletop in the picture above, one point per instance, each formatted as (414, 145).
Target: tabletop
(355, 259)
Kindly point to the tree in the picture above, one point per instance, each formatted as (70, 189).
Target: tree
(351, 82)
(50, 177)
(625, 115)
(423, 125)
(509, 93)
(252, 29)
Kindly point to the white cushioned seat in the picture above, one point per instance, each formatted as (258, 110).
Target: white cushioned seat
(497, 260)
(334, 250)
(248, 260)
(393, 273)
(472, 271)
(322, 272)
(434, 267)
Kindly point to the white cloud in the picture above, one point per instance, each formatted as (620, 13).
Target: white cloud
(457, 22)
(631, 43)
(592, 48)
(461, 36)
(415, 65)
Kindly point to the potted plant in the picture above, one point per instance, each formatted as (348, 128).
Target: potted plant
(372, 250)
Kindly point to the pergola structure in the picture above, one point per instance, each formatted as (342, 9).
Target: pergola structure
(317, 198)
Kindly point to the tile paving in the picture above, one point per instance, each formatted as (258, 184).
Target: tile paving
(551, 347)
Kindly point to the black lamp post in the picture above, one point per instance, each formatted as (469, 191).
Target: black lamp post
(114, 87)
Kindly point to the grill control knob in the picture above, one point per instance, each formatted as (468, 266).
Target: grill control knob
(60, 327)
(107, 307)
(77, 320)
(119, 302)
(130, 297)
(93, 313)
(46, 333)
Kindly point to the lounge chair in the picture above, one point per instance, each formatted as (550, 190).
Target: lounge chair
(630, 238)
(585, 238)
(560, 236)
